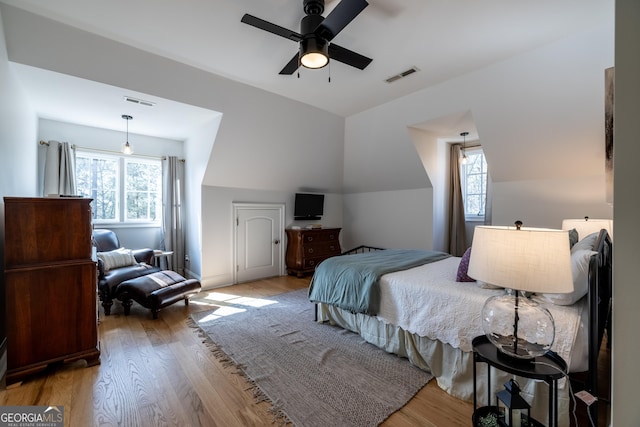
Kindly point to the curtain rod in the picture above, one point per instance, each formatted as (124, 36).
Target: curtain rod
(112, 152)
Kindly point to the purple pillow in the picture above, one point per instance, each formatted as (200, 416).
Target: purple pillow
(463, 267)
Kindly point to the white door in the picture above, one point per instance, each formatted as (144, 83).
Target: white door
(259, 241)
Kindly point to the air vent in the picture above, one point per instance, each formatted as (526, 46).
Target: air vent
(401, 75)
(139, 101)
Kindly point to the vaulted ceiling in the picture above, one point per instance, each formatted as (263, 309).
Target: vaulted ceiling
(441, 39)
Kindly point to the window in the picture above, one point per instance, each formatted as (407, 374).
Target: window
(474, 183)
(123, 189)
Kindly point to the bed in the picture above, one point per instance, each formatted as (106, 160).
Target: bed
(423, 313)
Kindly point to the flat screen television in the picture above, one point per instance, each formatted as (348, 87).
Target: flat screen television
(308, 206)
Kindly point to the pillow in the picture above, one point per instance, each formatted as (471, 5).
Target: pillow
(119, 258)
(586, 243)
(573, 237)
(463, 267)
(580, 269)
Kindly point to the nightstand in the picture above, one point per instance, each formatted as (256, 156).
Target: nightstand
(549, 368)
(159, 255)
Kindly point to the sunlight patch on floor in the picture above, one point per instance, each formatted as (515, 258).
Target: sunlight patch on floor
(227, 304)
(219, 297)
(222, 312)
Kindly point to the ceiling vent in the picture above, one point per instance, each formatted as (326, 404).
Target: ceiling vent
(139, 101)
(401, 75)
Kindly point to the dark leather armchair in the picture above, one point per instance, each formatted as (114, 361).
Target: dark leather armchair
(105, 241)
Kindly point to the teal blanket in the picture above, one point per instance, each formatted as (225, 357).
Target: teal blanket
(351, 281)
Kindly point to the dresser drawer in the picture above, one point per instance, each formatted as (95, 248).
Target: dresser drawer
(319, 236)
(321, 248)
(308, 248)
(312, 263)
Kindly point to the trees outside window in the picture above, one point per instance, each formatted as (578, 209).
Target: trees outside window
(123, 189)
(474, 183)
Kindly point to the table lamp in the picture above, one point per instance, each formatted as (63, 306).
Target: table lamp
(520, 259)
(586, 226)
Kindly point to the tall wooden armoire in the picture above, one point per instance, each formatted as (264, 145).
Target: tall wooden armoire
(50, 278)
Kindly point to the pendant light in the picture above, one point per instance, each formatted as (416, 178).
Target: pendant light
(464, 147)
(126, 147)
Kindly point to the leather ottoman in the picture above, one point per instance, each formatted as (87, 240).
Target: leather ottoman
(156, 290)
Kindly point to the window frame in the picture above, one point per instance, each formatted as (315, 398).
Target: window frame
(464, 173)
(121, 188)
(129, 159)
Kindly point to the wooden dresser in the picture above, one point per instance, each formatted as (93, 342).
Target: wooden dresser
(307, 248)
(50, 281)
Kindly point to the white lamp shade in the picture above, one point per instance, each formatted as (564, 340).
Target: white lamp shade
(529, 259)
(586, 226)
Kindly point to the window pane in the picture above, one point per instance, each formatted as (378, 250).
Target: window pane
(143, 186)
(97, 178)
(474, 183)
(112, 181)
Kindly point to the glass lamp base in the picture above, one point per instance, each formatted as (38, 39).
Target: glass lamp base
(518, 326)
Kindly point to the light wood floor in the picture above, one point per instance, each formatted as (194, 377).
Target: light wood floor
(159, 373)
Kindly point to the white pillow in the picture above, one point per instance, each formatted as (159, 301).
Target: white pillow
(585, 243)
(580, 269)
(119, 258)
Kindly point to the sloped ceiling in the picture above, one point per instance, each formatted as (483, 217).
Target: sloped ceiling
(443, 39)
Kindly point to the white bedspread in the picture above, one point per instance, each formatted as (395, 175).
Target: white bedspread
(450, 311)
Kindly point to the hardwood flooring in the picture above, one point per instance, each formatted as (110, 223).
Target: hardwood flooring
(159, 373)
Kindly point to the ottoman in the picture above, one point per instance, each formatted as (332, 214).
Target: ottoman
(156, 290)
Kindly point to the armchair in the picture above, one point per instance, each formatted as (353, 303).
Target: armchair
(108, 279)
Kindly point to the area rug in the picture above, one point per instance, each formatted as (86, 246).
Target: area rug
(313, 374)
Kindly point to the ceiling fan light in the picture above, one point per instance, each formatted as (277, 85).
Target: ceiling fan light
(314, 53)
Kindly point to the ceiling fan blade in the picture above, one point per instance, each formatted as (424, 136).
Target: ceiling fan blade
(339, 17)
(271, 28)
(348, 57)
(292, 65)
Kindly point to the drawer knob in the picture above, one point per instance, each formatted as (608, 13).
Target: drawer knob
(310, 250)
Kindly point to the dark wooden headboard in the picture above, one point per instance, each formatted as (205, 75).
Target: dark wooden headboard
(600, 306)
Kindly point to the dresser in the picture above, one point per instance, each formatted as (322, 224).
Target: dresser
(308, 248)
(50, 280)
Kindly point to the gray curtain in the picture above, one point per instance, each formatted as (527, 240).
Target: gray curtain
(457, 233)
(488, 211)
(59, 175)
(172, 215)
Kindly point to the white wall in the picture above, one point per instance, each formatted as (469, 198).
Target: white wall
(217, 208)
(546, 202)
(539, 115)
(197, 153)
(18, 161)
(434, 154)
(389, 219)
(626, 288)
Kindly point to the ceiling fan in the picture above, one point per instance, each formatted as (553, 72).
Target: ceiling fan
(316, 33)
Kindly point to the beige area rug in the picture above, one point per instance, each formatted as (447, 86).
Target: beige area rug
(313, 374)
